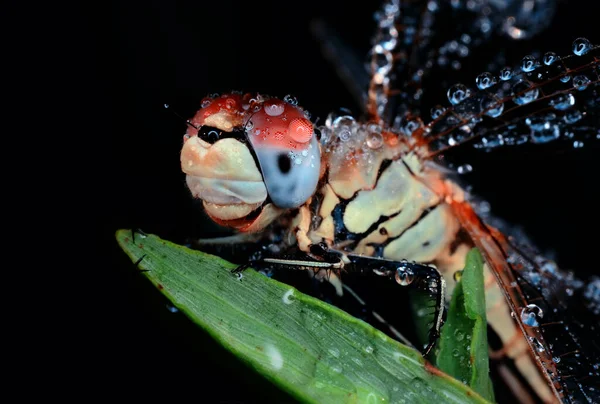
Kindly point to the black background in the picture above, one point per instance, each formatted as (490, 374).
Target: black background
(129, 58)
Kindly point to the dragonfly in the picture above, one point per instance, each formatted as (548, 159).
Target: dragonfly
(370, 194)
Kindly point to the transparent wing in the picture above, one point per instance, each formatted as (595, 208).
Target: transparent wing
(420, 42)
(539, 101)
(558, 314)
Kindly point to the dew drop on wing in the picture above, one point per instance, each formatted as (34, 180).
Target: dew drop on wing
(485, 80)
(562, 101)
(565, 79)
(581, 46)
(531, 314)
(572, 116)
(457, 93)
(437, 111)
(546, 135)
(529, 63)
(581, 82)
(549, 58)
(506, 74)
(523, 93)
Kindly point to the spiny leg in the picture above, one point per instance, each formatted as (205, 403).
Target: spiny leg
(301, 261)
(378, 317)
(413, 275)
(321, 258)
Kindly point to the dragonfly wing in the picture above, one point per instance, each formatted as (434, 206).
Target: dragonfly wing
(428, 42)
(556, 101)
(558, 314)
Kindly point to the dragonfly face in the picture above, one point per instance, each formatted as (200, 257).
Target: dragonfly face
(249, 158)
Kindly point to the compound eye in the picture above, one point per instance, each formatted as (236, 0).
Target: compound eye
(291, 177)
(210, 134)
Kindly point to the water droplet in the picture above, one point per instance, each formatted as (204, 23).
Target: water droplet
(205, 103)
(457, 93)
(369, 349)
(341, 121)
(464, 169)
(274, 109)
(288, 296)
(506, 74)
(572, 116)
(455, 352)
(374, 140)
(581, 82)
(540, 122)
(290, 99)
(382, 62)
(492, 107)
(529, 63)
(537, 345)
(577, 144)
(457, 275)
(565, 79)
(410, 126)
(563, 101)
(549, 58)
(275, 356)
(530, 315)
(485, 80)
(556, 359)
(437, 111)
(489, 142)
(523, 93)
(334, 352)
(549, 266)
(344, 134)
(546, 135)
(404, 275)
(581, 46)
(459, 335)
(172, 308)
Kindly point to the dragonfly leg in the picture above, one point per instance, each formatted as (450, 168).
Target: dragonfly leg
(321, 258)
(413, 275)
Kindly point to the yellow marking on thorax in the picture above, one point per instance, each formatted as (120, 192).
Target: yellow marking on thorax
(301, 224)
(387, 198)
(326, 229)
(347, 176)
(437, 229)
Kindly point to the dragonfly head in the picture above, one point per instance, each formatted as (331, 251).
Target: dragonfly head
(250, 157)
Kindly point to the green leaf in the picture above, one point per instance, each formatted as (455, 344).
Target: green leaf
(312, 350)
(463, 344)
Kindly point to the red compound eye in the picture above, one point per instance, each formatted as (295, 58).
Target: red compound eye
(300, 130)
